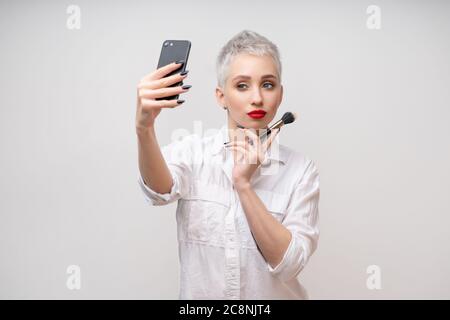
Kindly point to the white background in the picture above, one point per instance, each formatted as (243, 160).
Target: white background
(374, 116)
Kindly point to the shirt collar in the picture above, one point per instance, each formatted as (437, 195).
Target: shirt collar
(275, 152)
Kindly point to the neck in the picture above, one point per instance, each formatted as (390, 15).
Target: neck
(232, 129)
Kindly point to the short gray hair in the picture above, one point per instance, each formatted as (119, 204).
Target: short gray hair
(249, 42)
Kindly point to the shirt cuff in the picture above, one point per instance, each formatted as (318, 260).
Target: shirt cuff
(291, 264)
(158, 199)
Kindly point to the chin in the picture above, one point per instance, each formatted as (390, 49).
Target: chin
(260, 125)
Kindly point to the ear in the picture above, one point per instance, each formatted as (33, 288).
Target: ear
(281, 94)
(220, 97)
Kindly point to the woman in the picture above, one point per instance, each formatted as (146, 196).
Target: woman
(247, 211)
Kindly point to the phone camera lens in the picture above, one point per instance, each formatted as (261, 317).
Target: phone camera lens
(171, 44)
(166, 44)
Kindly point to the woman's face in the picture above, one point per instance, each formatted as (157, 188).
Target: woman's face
(252, 84)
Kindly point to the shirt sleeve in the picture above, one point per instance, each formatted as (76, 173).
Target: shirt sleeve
(178, 156)
(301, 220)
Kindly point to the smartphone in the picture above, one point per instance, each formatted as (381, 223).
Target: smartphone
(171, 51)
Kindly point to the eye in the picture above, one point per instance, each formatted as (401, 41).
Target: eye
(243, 84)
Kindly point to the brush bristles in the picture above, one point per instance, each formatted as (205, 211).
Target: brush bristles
(289, 117)
(295, 115)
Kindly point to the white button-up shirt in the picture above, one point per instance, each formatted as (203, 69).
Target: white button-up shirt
(219, 257)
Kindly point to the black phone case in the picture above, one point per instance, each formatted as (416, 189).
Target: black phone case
(171, 51)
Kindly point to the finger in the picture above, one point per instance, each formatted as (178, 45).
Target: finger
(161, 72)
(148, 104)
(252, 137)
(240, 148)
(248, 157)
(252, 134)
(162, 83)
(241, 135)
(161, 93)
(243, 144)
(272, 136)
(240, 152)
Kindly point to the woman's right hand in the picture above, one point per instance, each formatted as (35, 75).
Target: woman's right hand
(155, 85)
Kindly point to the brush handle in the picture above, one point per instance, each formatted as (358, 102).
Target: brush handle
(267, 133)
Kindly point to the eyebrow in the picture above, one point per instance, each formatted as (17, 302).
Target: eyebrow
(248, 77)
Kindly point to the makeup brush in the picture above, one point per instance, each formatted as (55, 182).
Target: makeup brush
(287, 118)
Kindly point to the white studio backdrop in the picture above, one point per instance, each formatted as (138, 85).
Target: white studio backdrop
(373, 101)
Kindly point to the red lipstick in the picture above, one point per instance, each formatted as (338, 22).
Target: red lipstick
(257, 114)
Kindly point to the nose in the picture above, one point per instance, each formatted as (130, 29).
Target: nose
(257, 97)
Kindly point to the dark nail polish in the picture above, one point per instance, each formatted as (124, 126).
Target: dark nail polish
(180, 101)
(184, 72)
(179, 62)
(186, 86)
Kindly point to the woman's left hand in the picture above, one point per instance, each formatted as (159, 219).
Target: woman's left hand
(248, 154)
